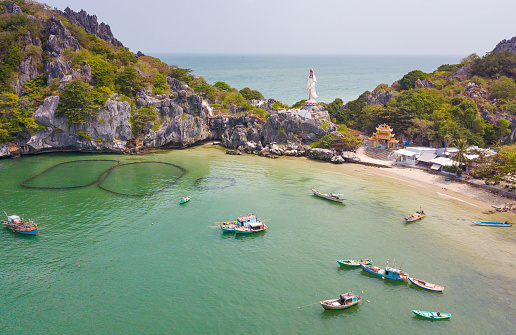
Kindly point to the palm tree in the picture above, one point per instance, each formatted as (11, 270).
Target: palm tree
(460, 156)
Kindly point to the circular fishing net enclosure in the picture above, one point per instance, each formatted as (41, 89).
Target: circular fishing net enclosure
(214, 183)
(141, 178)
(73, 174)
(135, 179)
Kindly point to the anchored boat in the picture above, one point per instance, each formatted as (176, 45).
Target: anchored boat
(418, 215)
(354, 263)
(20, 226)
(330, 196)
(184, 200)
(345, 300)
(432, 315)
(426, 285)
(247, 224)
(492, 224)
(388, 272)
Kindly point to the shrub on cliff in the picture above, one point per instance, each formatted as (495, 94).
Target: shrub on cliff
(495, 64)
(249, 94)
(78, 102)
(408, 80)
(141, 118)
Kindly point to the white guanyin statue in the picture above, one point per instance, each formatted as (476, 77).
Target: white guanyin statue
(310, 89)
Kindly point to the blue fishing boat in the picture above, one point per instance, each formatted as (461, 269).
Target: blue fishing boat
(247, 224)
(388, 272)
(18, 225)
(492, 224)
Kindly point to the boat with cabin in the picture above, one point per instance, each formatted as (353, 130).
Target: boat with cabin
(426, 285)
(354, 263)
(345, 300)
(492, 224)
(418, 215)
(330, 196)
(184, 200)
(432, 315)
(389, 272)
(20, 226)
(247, 224)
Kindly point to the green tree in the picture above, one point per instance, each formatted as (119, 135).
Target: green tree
(460, 156)
(160, 84)
(102, 71)
(470, 59)
(128, 81)
(249, 94)
(222, 85)
(504, 88)
(495, 65)
(142, 118)
(408, 80)
(77, 102)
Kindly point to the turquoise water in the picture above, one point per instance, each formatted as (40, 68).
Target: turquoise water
(109, 264)
(283, 77)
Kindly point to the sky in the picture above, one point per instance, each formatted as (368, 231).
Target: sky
(349, 27)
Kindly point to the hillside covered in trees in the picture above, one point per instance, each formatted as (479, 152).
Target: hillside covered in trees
(474, 100)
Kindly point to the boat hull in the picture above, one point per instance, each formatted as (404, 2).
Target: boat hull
(413, 218)
(425, 285)
(240, 231)
(432, 315)
(382, 275)
(492, 224)
(17, 229)
(328, 304)
(324, 196)
(353, 263)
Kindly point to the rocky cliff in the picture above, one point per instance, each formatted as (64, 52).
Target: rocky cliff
(506, 46)
(90, 24)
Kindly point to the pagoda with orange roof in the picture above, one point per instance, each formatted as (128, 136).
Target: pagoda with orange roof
(383, 132)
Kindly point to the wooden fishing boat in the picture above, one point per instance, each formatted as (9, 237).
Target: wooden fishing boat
(184, 200)
(492, 224)
(330, 196)
(20, 226)
(388, 272)
(425, 285)
(345, 300)
(418, 215)
(354, 263)
(247, 224)
(252, 228)
(432, 315)
(228, 226)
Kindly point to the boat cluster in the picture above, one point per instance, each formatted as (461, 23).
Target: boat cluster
(248, 224)
(349, 299)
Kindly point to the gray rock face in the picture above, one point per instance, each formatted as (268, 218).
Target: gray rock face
(28, 71)
(110, 131)
(59, 39)
(321, 154)
(424, 84)
(90, 24)
(506, 46)
(177, 86)
(464, 71)
(11, 8)
(380, 98)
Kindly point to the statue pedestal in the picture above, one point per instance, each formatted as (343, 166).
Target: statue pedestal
(310, 104)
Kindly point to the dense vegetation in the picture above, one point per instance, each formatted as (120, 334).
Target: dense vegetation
(446, 108)
(113, 69)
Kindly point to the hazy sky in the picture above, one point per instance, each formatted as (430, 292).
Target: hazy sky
(457, 27)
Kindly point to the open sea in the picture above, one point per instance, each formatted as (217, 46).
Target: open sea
(283, 77)
(105, 263)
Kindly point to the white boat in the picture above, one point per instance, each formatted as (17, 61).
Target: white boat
(330, 196)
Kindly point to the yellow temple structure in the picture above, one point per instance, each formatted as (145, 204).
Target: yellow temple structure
(383, 132)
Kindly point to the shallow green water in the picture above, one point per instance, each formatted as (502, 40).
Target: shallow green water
(109, 264)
